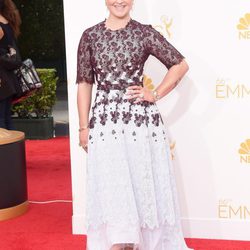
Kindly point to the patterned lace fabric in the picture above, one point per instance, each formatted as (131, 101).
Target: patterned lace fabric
(131, 193)
(116, 58)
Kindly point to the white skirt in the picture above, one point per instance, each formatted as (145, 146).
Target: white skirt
(131, 191)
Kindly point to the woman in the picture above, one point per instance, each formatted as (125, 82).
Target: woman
(9, 30)
(131, 193)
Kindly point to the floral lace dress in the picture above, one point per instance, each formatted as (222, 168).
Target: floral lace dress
(131, 192)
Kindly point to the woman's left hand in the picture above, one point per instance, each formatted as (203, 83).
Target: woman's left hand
(139, 93)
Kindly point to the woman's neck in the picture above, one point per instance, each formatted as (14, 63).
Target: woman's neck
(114, 22)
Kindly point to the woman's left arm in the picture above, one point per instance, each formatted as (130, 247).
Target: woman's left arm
(157, 45)
(172, 78)
(169, 82)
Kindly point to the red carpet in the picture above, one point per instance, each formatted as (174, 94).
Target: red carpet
(44, 226)
(48, 226)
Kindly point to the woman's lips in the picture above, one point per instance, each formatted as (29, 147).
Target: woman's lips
(119, 7)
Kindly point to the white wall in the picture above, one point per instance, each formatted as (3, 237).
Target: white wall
(207, 115)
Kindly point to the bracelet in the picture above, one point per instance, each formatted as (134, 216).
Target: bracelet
(83, 128)
(156, 95)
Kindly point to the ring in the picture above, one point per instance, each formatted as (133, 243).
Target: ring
(141, 95)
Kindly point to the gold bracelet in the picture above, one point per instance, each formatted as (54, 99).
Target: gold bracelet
(83, 128)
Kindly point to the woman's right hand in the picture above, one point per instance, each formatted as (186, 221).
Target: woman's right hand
(83, 139)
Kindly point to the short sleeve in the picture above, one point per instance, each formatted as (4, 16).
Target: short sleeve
(157, 45)
(84, 67)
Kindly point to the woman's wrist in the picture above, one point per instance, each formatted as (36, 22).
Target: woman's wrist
(84, 127)
(156, 95)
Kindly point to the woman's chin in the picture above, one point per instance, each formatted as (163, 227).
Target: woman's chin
(120, 13)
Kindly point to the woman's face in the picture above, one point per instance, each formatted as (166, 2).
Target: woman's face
(119, 8)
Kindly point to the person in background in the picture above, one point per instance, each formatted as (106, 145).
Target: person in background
(10, 21)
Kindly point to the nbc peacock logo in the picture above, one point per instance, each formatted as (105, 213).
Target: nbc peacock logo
(244, 151)
(244, 27)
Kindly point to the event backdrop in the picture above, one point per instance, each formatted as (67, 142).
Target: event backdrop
(207, 115)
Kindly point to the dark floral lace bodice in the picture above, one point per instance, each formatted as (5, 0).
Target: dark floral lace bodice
(115, 59)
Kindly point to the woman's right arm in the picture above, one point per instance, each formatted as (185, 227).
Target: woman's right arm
(84, 95)
(85, 80)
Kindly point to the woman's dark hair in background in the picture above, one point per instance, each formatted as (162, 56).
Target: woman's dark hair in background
(10, 12)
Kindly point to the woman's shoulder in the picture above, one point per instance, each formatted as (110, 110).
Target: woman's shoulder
(141, 24)
(145, 28)
(3, 27)
(91, 31)
(6, 28)
(93, 28)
